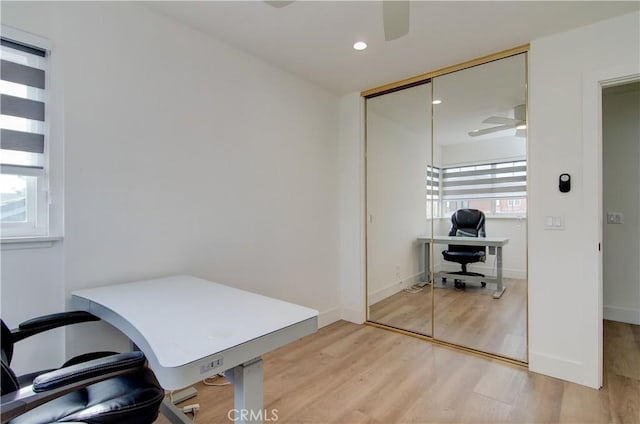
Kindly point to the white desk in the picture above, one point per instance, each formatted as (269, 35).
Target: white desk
(497, 242)
(190, 329)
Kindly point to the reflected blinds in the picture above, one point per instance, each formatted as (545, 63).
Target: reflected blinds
(433, 183)
(496, 180)
(22, 108)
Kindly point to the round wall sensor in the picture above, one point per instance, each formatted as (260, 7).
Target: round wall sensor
(564, 183)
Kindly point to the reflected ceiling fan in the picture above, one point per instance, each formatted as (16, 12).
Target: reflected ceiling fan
(519, 121)
(395, 16)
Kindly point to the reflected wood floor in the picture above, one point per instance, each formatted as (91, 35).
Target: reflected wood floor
(409, 311)
(470, 317)
(347, 373)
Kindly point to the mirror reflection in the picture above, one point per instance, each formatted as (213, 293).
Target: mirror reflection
(479, 225)
(446, 208)
(398, 151)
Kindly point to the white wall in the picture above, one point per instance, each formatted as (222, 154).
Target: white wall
(183, 155)
(621, 179)
(352, 209)
(502, 149)
(563, 299)
(32, 285)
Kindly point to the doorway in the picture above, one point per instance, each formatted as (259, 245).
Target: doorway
(621, 202)
(621, 234)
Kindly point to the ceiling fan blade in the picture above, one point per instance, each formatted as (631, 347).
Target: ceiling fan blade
(395, 15)
(484, 131)
(278, 3)
(500, 120)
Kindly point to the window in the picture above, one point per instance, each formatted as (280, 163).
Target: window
(24, 134)
(496, 188)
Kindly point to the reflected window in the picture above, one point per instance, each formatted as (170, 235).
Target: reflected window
(495, 188)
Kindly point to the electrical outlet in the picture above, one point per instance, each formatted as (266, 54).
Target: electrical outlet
(553, 223)
(614, 218)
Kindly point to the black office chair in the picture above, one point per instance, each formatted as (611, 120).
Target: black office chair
(94, 388)
(466, 223)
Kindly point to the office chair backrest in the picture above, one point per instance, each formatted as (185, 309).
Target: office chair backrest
(467, 223)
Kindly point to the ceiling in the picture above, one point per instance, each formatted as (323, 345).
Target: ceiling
(313, 39)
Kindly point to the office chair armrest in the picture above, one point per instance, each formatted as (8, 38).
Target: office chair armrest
(70, 375)
(49, 322)
(58, 383)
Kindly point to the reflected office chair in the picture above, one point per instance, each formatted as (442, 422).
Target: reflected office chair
(466, 223)
(94, 388)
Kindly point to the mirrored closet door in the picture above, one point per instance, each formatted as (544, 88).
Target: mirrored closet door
(479, 133)
(446, 202)
(398, 151)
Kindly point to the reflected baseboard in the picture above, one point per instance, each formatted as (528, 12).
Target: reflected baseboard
(392, 289)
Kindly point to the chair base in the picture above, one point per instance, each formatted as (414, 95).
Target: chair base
(459, 283)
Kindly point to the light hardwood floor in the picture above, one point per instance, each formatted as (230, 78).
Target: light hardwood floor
(470, 317)
(347, 373)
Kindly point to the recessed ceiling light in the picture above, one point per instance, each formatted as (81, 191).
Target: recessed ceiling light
(436, 102)
(360, 45)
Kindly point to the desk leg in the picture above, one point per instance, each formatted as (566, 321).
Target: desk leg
(172, 413)
(247, 391)
(426, 278)
(500, 289)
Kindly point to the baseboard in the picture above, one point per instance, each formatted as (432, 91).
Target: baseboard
(562, 368)
(616, 313)
(329, 317)
(393, 288)
(351, 315)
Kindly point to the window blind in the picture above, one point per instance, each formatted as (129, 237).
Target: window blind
(433, 183)
(497, 180)
(22, 108)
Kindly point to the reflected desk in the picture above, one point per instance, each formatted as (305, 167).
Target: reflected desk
(491, 242)
(190, 329)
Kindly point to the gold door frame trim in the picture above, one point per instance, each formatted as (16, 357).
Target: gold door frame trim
(422, 79)
(447, 70)
(526, 229)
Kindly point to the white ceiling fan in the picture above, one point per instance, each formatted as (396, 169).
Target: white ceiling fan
(519, 121)
(395, 16)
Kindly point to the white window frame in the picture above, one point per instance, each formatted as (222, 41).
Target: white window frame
(37, 223)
